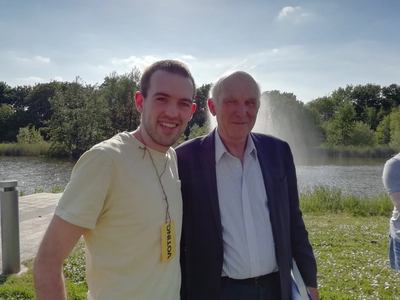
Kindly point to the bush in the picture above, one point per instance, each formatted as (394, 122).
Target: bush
(28, 135)
(362, 135)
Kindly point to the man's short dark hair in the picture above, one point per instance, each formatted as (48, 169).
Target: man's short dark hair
(171, 66)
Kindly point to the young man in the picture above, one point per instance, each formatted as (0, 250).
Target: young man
(242, 223)
(124, 198)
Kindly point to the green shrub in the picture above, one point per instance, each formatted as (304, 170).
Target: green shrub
(28, 135)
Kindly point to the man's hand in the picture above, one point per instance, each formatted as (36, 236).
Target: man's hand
(314, 293)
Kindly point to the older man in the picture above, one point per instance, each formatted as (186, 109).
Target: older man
(242, 223)
(124, 198)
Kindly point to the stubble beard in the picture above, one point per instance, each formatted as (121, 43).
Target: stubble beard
(159, 139)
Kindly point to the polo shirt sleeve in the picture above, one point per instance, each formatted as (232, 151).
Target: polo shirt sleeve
(83, 199)
(391, 176)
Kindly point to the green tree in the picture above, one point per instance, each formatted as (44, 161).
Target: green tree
(37, 105)
(77, 123)
(342, 96)
(15, 97)
(6, 117)
(200, 115)
(371, 117)
(395, 129)
(324, 107)
(383, 131)
(196, 131)
(341, 128)
(363, 96)
(119, 93)
(4, 93)
(362, 135)
(390, 97)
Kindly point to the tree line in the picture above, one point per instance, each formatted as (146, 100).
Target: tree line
(358, 116)
(73, 116)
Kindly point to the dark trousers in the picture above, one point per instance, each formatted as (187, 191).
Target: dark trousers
(235, 290)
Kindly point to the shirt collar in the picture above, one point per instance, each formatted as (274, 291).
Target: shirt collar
(220, 148)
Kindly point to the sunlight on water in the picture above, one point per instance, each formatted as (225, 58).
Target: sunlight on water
(36, 172)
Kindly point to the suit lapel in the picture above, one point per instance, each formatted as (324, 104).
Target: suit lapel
(268, 156)
(207, 161)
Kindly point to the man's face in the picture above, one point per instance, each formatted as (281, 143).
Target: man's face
(236, 108)
(166, 110)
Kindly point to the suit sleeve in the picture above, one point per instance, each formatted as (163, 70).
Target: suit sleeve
(301, 248)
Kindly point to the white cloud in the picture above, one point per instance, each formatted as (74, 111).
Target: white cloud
(295, 14)
(43, 59)
(289, 11)
(15, 56)
(188, 57)
(121, 65)
(30, 80)
(134, 61)
(58, 78)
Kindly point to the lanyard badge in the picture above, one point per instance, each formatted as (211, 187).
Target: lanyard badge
(168, 241)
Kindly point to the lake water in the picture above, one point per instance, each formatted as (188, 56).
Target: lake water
(359, 177)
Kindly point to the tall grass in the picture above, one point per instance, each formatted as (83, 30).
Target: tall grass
(330, 200)
(15, 149)
(361, 152)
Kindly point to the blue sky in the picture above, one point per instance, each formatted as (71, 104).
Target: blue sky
(309, 48)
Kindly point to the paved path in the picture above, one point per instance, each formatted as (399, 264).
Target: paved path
(35, 213)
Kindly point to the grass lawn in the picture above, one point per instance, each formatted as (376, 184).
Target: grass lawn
(351, 252)
(352, 257)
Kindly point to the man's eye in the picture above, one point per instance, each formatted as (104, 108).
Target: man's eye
(185, 104)
(161, 99)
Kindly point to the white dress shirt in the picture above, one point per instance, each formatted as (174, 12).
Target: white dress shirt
(249, 249)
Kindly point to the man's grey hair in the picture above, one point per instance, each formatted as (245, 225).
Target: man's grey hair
(217, 86)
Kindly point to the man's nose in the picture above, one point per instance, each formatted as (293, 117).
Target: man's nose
(172, 110)
(241, 110)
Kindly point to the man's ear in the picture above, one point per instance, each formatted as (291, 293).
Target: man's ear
(211, 106)
(139, 101)
(193, 110)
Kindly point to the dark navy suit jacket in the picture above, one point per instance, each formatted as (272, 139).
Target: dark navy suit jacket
(202, 245)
